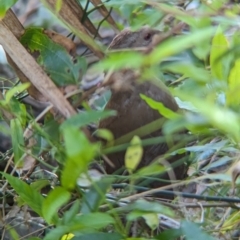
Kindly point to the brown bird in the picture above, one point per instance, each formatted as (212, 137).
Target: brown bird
(133, 112)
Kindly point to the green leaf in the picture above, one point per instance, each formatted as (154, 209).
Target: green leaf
(81, 224)
(51, 204)
(144, 206)
(151, 169)
(219, 47)
(17, 141)
(58, 5)
(234, 84)
(71, 213)
(5, 5)
(221, 118)
(29, 195)
(99, 236)
(84, 118)
(165, 112)
(54, 58)
(39, 184)
(19, 111)
(79, 154)
(95, 196)
(16, 90)
(133, 154)
(152, 220)
(177, 44)
(104, 134)
(117, 61)
(194, 231)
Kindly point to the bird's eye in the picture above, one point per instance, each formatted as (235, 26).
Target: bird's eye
(147, 36)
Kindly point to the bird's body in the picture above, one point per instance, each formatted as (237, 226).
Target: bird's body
(134, 113)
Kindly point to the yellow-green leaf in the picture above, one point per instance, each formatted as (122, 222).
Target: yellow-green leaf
(51, 204)
(166, 112)
(219, 47)
(17, 141)
(133, 154)
(233, 96)
(152, 220)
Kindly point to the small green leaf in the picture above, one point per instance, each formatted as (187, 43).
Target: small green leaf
(151, 169)
(79, 154)
(166, 112)
(81, 223)
(51, 204)
(29, 195)
(177, 44)
(219, 47)
(133, 154)
(58, 5)
(53, 57)
(19, 111)
(5, 5)
(104, 134)
(117, 61)
(152, 220)
(39, 184)
(16, 90)
(17, 141)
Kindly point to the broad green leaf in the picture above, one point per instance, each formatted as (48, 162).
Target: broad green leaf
(99, 236)
(5, 5)
(39, 184)
(51, 204)
(219, 47)
(133, 154)
(169, 234)
(79, 153)
(199, 74)
(54, 58)
(221, 118)
(177, 44)
(166, 112)
(81, 224)
(233, 96)
(117, 61)
(193, 231)
(84, 118)
(95, 196)
(145, 206)
(29, 195)
(17, 141)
